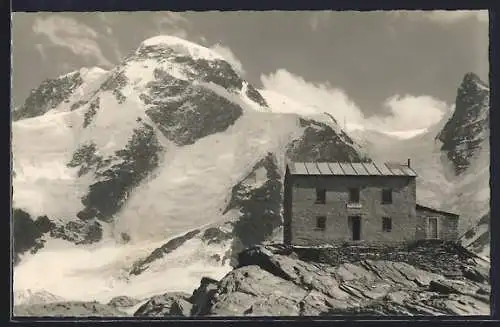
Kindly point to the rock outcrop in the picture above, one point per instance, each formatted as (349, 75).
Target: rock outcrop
(275, 280)
(169, 304)
(467, 131)
(181, 304)
(123, 302)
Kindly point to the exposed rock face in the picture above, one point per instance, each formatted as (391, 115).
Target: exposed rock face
(467, 130)
(48, 96)
(134, 163)
(321, 143)
(215, 235)
(115, 83)
(272, 281)
(260, 206)
(85, 158)
(162, 251)
(79, 232)
(202, 297)
(91, 112)
(28, 232)
(253, 94)
(196, 112)
(122, 301)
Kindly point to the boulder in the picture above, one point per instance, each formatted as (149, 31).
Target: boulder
(476, 274)
(202, 297)
(123, 301)
(168, 304)
(181, 307)
(449, 286)
(251, 290)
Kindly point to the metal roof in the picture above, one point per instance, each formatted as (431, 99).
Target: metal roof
(350, 169)
(449, 214)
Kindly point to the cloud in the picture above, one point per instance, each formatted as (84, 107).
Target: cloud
(320, 95)
(444, 16)
(411, 112)
(229, 56)
(406, 112)
(70, 34)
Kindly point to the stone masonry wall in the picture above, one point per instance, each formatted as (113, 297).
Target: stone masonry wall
(304, 210)
(447, 226)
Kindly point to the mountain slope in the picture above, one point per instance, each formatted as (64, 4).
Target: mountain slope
(160, 165)
(53, 92)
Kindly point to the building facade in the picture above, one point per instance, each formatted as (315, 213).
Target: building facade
(327, 203)
(436, 224)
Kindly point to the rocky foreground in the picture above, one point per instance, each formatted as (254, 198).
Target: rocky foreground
(428, 278)
(278, 281)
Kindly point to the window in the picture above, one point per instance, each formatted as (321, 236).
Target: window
(387, 196)
(354, 195)
(320, 196)
(321, 222)
(386, 224)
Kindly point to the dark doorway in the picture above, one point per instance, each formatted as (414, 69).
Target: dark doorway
(432, 228)
(321, 222)
(356, 228)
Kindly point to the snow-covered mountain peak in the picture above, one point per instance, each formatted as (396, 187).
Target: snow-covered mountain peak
(92, 73)
(87, 73)
(181, 46)
(471, 80)
(172, 141)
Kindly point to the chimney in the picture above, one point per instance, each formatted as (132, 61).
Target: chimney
(409, 161)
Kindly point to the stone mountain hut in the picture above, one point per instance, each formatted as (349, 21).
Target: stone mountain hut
(331, 202)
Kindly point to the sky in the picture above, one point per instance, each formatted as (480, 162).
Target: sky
(392, 70)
